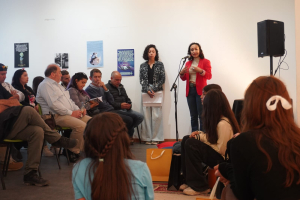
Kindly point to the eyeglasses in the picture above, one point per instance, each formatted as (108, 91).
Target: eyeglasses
(4, 67)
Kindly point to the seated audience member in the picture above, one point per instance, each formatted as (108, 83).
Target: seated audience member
(15, 93)
(53, 98)
(209, 147)
(26, 124)
(78, 95)
(19, 81)
(13, 165)
(265, 158)
(65, 78)
(98, 89)
(36, 82)
(121, 101)
(207, 88)
(109, 170)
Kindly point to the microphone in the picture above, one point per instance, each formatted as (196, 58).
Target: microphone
(185, 57)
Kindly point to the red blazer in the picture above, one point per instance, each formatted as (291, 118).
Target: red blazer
(201, 81)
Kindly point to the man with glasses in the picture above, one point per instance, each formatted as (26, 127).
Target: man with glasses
(121, 101)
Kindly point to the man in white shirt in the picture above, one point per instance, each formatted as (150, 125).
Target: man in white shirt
(53, 98)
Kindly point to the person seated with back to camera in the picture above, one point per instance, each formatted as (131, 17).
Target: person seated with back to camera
(109, 170)
(98, 89)
(53, 98)
(27, 125)
(265, 158)
(209, 147)
(207, 88)
(121, 100)
(79, 96)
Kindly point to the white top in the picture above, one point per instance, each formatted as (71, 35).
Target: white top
(53, 97)
(191, 71)
(10, 88)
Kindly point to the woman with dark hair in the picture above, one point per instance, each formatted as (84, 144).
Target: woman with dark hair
(108, 170)
(265, 157)
(36, 82)
(209, 147)
(152, 77)
(77, 93)
(19, 81)
(196, 73)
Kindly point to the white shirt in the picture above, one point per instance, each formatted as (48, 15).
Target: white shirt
(53, 97)
(10, 88)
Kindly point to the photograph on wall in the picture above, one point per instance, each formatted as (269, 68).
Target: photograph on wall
(21, 55)
(126, 62)
(57, 59)
(62, 59)
(94, 54)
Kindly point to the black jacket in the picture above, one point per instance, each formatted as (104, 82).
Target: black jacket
(9, 116)
(119, 94)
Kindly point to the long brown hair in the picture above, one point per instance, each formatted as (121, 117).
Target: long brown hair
(216, 105)
(106, 138)
(277, 125)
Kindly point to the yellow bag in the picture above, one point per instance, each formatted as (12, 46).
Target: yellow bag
(159, 163)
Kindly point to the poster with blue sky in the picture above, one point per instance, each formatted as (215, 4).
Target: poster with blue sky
(126, 62)
(94, 54)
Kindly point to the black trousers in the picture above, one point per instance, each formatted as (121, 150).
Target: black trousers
(193, 154)
(127, 120)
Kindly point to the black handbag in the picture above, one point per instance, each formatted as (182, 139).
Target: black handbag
(175, 177)
(49, 120)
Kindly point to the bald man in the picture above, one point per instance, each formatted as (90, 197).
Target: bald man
(121, 101)
(55, 99)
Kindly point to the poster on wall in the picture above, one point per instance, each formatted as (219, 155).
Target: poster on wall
(21, 55)
(62, 59)
(126, 62)
(94, 54)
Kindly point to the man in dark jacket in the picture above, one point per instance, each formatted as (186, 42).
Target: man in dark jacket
(121, 101)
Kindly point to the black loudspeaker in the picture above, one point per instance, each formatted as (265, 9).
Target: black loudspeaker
(270, 37)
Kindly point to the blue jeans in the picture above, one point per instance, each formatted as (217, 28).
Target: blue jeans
(195, 106)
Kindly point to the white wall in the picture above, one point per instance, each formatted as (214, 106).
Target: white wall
(227, 31)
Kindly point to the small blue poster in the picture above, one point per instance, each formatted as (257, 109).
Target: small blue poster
(126, 62)
(94, 54)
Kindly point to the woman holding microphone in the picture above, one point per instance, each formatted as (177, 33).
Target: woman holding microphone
(196, 73)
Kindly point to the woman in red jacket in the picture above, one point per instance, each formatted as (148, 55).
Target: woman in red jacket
(196, 73)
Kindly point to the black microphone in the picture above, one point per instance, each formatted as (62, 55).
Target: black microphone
(185, 57)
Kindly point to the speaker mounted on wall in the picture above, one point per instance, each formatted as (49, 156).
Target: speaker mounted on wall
(270, 37)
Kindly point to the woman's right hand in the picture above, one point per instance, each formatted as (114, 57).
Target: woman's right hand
(151, 94)
(193, 134)
(183, 71)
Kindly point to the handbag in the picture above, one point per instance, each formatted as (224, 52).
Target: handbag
(159, 162)
(175, 177)
(49, 120)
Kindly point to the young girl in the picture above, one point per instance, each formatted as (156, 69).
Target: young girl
(209, 148)
(109, 171)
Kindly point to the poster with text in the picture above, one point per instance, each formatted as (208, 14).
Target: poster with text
(21, 55)
(126, 62)
(94, 54)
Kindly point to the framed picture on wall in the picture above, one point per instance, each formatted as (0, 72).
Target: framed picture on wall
(21, 55)
(94, 54)
(126, 62)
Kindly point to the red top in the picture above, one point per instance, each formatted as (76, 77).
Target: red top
(201, 81)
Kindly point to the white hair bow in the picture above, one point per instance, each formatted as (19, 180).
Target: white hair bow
(285, 104)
